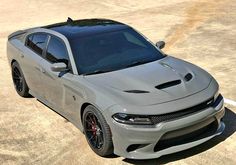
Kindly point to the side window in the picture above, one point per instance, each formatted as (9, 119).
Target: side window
(56, 51)
(37, 42)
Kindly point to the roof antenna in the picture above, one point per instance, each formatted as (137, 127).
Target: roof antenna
(69, 20)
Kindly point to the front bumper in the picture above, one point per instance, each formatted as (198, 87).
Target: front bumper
(145, 142)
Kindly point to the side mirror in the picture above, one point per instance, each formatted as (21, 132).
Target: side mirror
(160, 44)
(59, 67)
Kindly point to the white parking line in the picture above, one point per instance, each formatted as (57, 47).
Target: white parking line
(231, 102)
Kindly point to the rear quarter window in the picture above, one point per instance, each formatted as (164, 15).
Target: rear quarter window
(37, 42)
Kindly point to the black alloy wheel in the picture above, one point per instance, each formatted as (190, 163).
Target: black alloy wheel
(93, 131)
(97, 131)
(19, 80)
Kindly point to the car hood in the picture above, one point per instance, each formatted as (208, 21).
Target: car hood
(153, 83)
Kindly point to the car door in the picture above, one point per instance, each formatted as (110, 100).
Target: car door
(54, 82)
(31, 57)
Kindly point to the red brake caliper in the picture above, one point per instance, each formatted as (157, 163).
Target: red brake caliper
(94, 128)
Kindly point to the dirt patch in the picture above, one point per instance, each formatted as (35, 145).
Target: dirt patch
(198, 13)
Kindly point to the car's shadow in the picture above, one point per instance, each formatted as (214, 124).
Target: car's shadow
(230, 128)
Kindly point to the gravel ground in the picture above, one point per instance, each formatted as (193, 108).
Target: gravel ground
(202, 32)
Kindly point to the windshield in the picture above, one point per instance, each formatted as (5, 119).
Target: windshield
(110, 51)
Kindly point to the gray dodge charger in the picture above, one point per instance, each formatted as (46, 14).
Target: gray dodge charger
(126, 95)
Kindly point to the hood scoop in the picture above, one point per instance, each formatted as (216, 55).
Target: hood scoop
(188, 77)
(136, 91)
(168, 84)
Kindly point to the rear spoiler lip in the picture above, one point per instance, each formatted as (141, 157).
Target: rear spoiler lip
(19, 32)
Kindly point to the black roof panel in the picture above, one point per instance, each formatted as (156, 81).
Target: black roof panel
(86, 27)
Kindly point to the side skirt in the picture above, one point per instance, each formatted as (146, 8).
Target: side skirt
(59, 112)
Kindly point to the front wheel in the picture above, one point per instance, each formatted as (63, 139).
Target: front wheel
(19, 80)
(97, 131)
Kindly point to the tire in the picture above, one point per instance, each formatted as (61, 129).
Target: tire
(97, 131)
(19, 82)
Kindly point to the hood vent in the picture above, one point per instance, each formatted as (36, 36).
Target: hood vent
(168, 84)
(136, 91)
(188, 77)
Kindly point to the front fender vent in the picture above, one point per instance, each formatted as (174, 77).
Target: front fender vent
(168, 84)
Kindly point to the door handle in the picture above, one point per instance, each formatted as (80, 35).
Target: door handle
(37, 69)
(22, 55)
(42, 70)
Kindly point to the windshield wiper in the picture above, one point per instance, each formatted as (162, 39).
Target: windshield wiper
(96, 72)
(135, 63)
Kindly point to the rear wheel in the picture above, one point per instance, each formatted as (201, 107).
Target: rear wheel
(19, 81)
(97, 131)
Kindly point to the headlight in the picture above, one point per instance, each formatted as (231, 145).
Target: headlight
(132, 119)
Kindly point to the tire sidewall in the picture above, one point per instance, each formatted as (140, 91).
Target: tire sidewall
(107, 145)
(25, 88)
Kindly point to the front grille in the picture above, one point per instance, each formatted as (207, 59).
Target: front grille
(179, 114)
